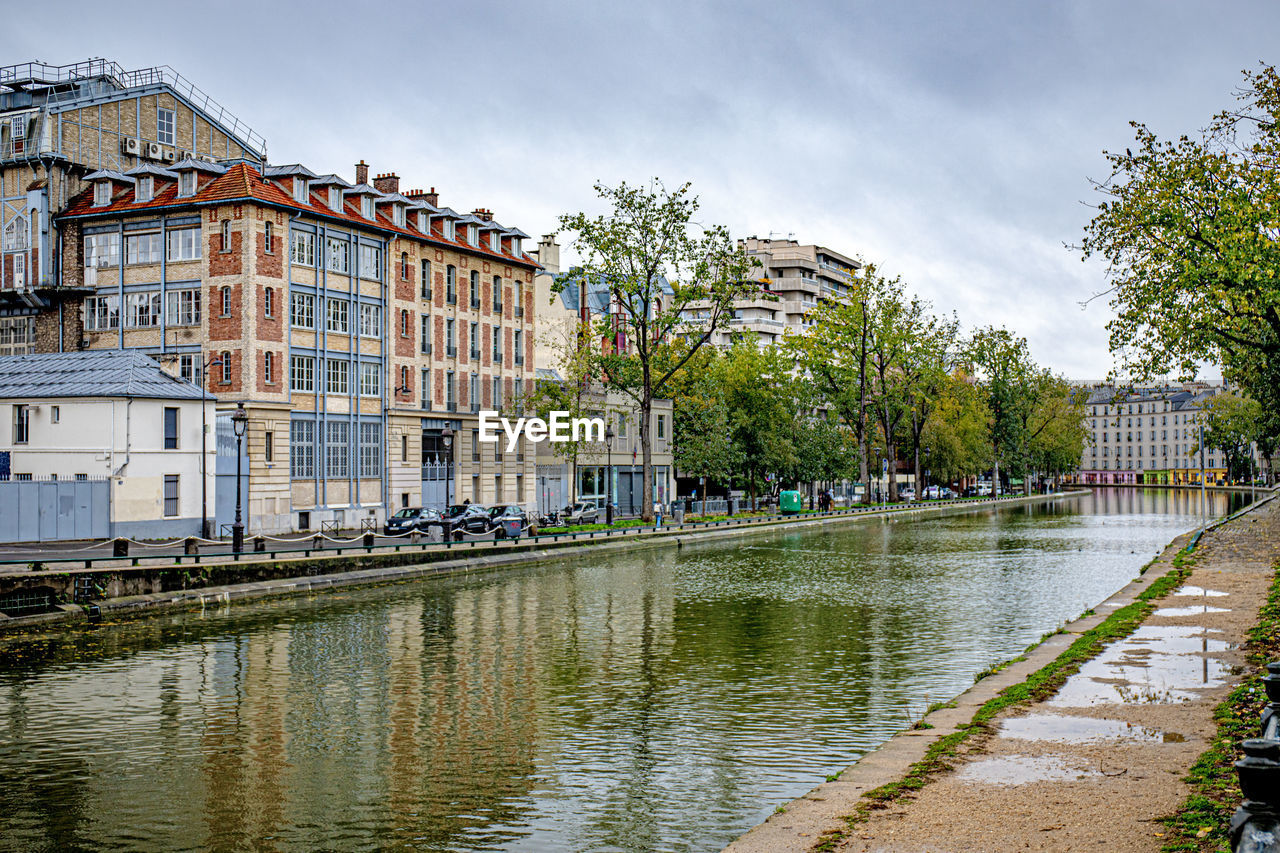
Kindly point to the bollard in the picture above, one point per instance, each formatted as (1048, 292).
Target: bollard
(414, 536)
(367, 540)
(119, 547)
(190, 545)
(1255, 827)
(317, 542)
(259, 544)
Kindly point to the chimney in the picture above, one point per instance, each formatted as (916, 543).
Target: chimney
(362, 172)
(549, 253)
(486, 215)
(388, 183)
(432, 198)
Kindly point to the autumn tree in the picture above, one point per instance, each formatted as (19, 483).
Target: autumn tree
(658, 265)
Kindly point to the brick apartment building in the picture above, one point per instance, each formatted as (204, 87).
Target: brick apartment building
(357, 323)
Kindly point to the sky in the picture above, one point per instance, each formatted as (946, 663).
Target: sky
(950, 143)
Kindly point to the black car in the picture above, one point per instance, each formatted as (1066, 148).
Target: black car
(409, 519)
(503, 513)
(462, 519)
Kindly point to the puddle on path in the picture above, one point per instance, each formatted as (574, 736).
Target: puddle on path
(1157, 663)
(1199, 590)
(1058, 728)
(1193, 610)
(1023, 769)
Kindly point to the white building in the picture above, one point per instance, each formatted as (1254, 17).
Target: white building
(109, 416)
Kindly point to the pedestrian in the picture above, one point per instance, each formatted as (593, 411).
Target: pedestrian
(657, 514)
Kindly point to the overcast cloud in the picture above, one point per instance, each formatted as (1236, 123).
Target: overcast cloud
(950, 143)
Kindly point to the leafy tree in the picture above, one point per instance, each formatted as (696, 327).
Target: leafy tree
(764, 401)
(957, 435)
(1232, 424)
(656, 270)
(1006, 376)
(702, 440)
(1189, 229)
(576, 366)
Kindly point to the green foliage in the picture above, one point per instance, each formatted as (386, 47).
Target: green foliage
(1233, 424)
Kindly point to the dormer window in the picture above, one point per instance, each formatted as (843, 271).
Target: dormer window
(397, 215)
(102, 194)
(146, 189)
(448, 229)
(300, 190)
(424, 222)
(495, 241)
(366, 206)
(473, 235)
(515, 246)
(335, 199)
(187, 183)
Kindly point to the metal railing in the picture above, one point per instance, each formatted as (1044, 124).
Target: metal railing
(1255, 827)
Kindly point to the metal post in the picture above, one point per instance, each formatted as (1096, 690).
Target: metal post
(239, 423)
(608, 497)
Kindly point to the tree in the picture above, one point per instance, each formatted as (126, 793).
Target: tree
(957, 435)
(1232, 425)
(763, 400)
(1189, 229)
(702, 442)
(1006, 374)
(571, 394)
(656, 270)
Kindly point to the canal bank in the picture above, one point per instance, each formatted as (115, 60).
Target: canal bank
(135, 590)
(1081, 743)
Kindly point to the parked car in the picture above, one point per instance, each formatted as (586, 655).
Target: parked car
(583, 512)
(409, 519)
(933, 493)
(465, 518)
(906, 494)
(501, 514)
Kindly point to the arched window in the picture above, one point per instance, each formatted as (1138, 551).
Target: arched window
(404, 323)
(404, 266)
(15, 234)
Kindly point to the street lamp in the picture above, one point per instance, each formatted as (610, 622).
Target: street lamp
(446, 438)
(239, 423)
(608, 498)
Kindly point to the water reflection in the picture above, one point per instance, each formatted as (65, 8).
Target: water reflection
(666, 700)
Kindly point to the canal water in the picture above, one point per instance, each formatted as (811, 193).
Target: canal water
(665, 700)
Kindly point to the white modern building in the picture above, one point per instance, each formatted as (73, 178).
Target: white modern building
(108, 417)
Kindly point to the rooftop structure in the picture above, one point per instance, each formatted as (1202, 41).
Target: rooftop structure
(101, 373)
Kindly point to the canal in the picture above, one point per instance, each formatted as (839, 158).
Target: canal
(666, 700)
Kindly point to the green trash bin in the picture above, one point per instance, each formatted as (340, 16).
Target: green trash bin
(790, 503)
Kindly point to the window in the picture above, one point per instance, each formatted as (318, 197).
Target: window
(662, 426)
(302, 373)
(404, 380)
(15, 235)
(18, 132)
(269, 237)
(101, 193)
(304, 249)
(450, 347)
(335, 199)
(497, 294)
(370, 380)
(101, 250)
(497, 345)
(170, 495)
(268, 368)
(164, 126)
(424, 222)
(337, 376)
(269, 446)
(497, 395)
(170, 427)
(183, 308)
(404, 266)
(474, 339)
(19, 271)
(186, 183)
(21, 424)
(337, 448)
(55, 414)
(450, 400)
(475, 445)
(336, 315)
(302, 449)
(146, 189)
(304, 311)
(475, 288)
(338, 255)
(102, 312)
(300, 193)
(269, 302)
(518, 294)
(370, 450)
(449, 229)
(475, 392)
(426, 388)
(426, 280)
(17, 335)
(397, 216)
(184, 244)
(370, 320)
(425, 344)
(142, 310)
(225, 359)
(366, 207)
(225, 300)
(473, 235)
(519, 397)
(517, 347)
(404, 323)
(451, 285)
(371, 262)
(495, 241)
(143, 249)
(404, 448)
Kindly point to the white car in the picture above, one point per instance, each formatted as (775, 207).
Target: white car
(932, 493)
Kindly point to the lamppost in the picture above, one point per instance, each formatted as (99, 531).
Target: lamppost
(608, 479)
(446, 438)
(239, 423)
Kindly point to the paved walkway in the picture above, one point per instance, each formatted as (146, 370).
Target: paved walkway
(1094, 766)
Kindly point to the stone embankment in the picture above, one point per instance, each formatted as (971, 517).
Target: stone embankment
(1083, 744)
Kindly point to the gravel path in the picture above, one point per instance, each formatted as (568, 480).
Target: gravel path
(1094, 766)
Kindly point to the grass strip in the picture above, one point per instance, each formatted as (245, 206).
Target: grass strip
(1201, 822)
(1041, 684)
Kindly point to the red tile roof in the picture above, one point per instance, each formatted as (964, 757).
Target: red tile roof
(242, 182)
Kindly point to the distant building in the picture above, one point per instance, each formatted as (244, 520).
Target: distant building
(1150, 435)
(559, 316)
(96, 444)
